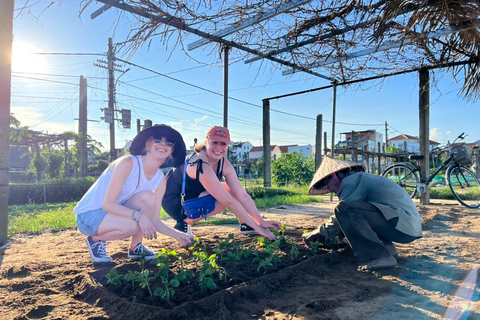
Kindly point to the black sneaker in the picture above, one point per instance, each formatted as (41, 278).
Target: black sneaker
(184, 227)
(246, 229)
(142, 251)
(98, 250)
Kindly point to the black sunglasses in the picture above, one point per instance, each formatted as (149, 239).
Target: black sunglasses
(165, 140)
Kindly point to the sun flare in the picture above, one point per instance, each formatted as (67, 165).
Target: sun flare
(26, 58)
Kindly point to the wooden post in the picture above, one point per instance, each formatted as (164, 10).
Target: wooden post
(6, 38)
(318, 143)
(267, 165)
(379, 159)
(424, 117)
(354, 147)
(334, 111)
(325, 143)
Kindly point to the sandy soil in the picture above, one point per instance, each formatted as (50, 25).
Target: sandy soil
(51, 276)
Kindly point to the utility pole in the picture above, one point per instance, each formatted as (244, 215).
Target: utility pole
(82, 126)
(6, 38)
(109, 113)
(111, 98)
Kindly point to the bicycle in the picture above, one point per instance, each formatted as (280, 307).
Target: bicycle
(463, 183)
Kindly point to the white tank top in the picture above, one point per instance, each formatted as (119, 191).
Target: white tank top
(93, 198)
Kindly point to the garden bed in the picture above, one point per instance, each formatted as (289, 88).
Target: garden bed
(51, 276)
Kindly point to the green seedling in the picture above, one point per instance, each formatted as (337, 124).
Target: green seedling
(184, 275)
(114, 278)
(271, 253)
(246, 253)
(167, 292)
(314, 247)
(208, 270)
(233, 257)
(143, 278)
(262, 241)
(130, 276)
(265, 264)
(294, 253)
(195, 244)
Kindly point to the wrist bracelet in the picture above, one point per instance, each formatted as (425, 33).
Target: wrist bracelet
(133, 214)
(139, 214)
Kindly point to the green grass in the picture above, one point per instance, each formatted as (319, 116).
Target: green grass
(36, 218)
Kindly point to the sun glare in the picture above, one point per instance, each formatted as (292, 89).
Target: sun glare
(25, 58)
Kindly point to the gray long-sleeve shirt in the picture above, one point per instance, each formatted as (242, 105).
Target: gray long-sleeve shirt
(384, 194)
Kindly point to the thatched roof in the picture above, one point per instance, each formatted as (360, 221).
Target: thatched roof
(344, 40)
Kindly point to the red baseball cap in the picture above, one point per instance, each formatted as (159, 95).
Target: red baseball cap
(218, 133)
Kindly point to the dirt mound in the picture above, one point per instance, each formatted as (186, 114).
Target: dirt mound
(51, 276)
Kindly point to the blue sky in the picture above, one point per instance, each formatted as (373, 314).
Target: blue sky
(45, 88)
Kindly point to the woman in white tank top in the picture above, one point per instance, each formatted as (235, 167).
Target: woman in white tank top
(126, 199)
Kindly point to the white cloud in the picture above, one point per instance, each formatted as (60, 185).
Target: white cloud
(30, 117)
(436, 134)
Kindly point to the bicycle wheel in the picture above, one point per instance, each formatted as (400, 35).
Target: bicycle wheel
(464, 185)
(404, 176)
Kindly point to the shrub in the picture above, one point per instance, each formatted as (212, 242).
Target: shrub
(262, 192)
(54, 191)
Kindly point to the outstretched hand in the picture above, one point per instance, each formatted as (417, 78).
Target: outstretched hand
(270, 224)
(184, 239)
(266, 233)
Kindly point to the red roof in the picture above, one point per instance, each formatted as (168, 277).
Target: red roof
(260, 148)
(409, 137)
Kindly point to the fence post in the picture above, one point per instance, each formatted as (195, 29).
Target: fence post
(44, 191)
(476, 158)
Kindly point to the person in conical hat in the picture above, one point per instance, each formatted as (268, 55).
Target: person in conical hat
(372, 213)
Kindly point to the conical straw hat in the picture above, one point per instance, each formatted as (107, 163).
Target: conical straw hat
(330, 165)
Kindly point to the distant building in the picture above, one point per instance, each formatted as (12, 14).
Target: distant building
(257, 152)
(20, 158)
(241, 150)
(409, 143)
(303, 150)
(368, 140)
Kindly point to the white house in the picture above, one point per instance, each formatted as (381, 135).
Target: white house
(257, 152)
(241, 150)
(303, 150)
(409, 143)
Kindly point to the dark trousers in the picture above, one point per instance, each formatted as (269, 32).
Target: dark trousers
(367, 230)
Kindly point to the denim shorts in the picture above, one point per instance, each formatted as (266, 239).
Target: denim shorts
(89, 222)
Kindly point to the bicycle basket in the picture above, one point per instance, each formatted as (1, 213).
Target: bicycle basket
(463, 154)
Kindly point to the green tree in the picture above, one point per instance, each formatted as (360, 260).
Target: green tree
(55, 163)
(294, 168)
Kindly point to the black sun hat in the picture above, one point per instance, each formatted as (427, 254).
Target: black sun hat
(160, 130)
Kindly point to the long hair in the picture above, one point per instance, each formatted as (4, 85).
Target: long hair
(199, 147)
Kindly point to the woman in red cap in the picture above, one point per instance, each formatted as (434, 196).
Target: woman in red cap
(125, 200)
(206, 195)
